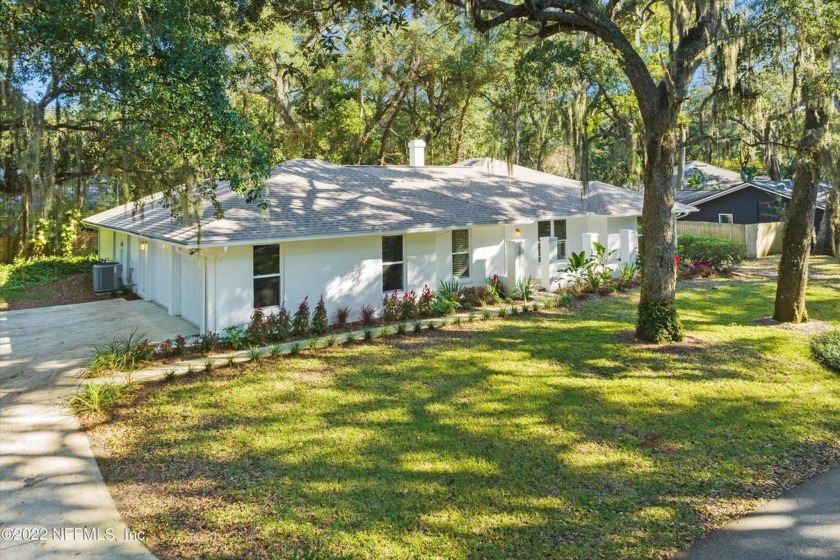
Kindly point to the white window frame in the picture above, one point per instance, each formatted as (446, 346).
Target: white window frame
(553, 233)
(401, 263)
(278, 275)
(731, 219)
(468, 252)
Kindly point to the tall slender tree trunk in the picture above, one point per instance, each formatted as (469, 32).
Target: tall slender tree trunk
(771, 154)
(828, 239)
(678, 178)
(462, 120)
(798, 233)
(658, 320)
(389, 125)
(24, 225)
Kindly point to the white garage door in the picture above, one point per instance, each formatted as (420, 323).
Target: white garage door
(163, 275)
(191, 288)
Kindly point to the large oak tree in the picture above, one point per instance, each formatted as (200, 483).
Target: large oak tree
(659, 73)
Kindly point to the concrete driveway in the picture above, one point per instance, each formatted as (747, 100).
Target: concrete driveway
(53, 501)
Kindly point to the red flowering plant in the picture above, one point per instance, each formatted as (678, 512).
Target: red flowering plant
(426, 302)
(408, 306)
(391, 307)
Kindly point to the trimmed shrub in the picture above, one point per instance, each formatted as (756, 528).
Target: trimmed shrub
(826, 349)
(426, 302)
(476, 296)
(320, 323)
(278, 325)
(257, 329)
(391, 307)
(300, 322)
(721, 255)
(408, 306)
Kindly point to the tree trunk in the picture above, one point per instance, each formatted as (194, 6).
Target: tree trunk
(24, 226)
(462, 119)
(389, 125)
(678, 178)
(798, 233)
(828, 239)
(771, 154)
(658, 320)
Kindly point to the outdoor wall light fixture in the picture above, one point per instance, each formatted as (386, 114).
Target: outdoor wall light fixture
(517, 233)
(144, 245)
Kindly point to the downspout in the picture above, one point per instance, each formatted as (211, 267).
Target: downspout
(215, 291)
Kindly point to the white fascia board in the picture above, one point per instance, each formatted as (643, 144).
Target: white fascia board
(408, 231)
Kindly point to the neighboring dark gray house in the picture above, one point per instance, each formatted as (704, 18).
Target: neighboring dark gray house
(724, 197)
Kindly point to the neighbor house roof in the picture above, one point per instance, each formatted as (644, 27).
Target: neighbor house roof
(718, 182)
(782, 188)
(711, 176)
(312, 198)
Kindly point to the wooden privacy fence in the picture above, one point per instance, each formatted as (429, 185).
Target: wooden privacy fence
(760, 239)
(10, 246)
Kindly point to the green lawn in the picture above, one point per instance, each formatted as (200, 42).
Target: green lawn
(542, 436)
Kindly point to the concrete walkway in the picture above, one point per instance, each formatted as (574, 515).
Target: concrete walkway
(53, 501)
(802, 524)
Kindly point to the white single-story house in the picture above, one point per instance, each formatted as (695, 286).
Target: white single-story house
(353, 233)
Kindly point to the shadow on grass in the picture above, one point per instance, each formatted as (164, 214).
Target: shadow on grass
(499, 444)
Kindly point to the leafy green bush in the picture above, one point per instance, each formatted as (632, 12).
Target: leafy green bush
(29, 273)
(721, 254)
(826, 349)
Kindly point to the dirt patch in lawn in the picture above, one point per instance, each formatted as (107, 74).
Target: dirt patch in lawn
(810, 327)
(73, 289)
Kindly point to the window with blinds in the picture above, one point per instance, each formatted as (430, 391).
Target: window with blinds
(556, 228)
(460, 253)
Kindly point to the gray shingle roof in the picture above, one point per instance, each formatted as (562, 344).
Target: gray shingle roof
(313, 198)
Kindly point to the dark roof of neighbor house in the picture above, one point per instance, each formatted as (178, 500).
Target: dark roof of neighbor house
(315, 199)
(718, 182)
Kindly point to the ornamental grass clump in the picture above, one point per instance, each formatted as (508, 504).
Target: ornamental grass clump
(121, 353)
(368, 315)
(96, 398)
(341, 316)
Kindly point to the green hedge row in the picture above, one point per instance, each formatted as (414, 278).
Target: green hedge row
(722, 255)
(38, 271)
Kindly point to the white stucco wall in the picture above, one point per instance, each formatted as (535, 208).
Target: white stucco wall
(614, 227)
(422, 259)
(488, 245)
(234, 289)
(347, 271)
